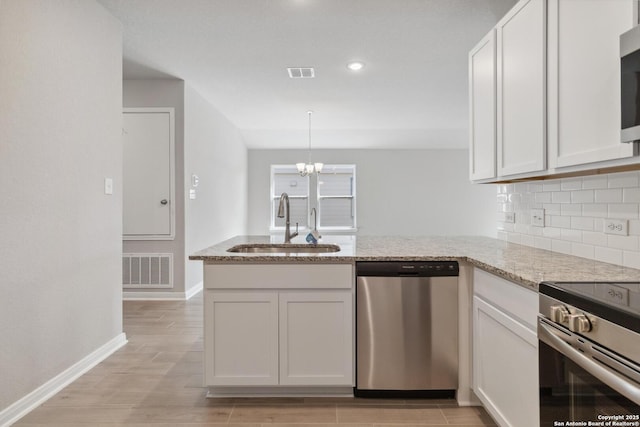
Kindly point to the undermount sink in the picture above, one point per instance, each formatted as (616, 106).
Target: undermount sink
(282, 248)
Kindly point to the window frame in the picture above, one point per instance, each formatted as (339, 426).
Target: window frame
(275, 198)
(352, 169)
(313, 200)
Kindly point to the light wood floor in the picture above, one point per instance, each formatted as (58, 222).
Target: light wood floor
(156, 379)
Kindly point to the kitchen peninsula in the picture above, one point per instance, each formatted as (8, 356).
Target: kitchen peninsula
(283, 324)
(523, 265)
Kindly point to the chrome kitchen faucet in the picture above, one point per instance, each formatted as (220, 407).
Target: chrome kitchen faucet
(284, 212)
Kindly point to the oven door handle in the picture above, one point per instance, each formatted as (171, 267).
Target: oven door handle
(608, 377)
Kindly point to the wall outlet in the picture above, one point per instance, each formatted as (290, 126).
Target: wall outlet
(537, 217)
(510, 217)
(616, 294)
(616, 226)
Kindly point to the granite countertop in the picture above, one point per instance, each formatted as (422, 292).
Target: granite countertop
(524, 265)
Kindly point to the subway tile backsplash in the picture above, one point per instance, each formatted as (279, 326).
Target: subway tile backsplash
(575, 214)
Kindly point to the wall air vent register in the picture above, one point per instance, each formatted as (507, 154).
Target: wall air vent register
(147, 270)
(301, 72)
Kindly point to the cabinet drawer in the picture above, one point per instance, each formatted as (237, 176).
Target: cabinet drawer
(513, 299)
(278, 276)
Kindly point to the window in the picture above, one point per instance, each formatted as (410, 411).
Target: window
(286, 179)
(332, 194)
(336, 194)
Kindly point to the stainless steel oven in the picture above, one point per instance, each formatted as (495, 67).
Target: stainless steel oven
(589, 354)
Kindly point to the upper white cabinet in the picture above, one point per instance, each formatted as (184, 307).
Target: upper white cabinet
(557, 90)
(584, 80)
(521, 89)
(482, 108)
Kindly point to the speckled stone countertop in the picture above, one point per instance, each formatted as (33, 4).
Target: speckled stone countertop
(524, 265)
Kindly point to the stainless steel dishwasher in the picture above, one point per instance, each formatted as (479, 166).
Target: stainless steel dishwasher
(407, 329)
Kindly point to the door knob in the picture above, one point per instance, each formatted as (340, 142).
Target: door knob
(164, 201)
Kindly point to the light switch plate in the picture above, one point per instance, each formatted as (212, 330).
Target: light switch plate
(108, 186)
(537, 217)
(192, 194)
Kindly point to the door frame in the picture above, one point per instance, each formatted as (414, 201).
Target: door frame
(172, 173)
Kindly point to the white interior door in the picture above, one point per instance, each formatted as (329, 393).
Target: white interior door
(148, 174)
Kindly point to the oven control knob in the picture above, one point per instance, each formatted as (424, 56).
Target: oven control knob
(559, 313)
(579, 323)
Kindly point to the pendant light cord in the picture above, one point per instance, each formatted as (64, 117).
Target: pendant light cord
(309, 113)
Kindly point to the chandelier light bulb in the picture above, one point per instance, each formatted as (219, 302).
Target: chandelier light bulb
(355, 66)
(308, 168)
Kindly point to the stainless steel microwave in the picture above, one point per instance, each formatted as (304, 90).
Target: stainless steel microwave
(630, 85)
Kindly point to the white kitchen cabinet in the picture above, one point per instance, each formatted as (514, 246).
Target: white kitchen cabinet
(521, 75)
(584, 80)
(241, 338)
(316, 338)
(505, 350)
(269, 326)
(482, 109)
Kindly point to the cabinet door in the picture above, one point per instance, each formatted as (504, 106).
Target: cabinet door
(505, 366)
(241, 338)
(316, 338)
(482, 109)
(584, 80)
(521, 38)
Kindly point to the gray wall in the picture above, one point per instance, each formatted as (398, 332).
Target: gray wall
(207, 145)
(399, 192)
(215, 151)
(60, 136)
(163, 93)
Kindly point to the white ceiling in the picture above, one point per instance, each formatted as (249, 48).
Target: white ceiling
(412, 92)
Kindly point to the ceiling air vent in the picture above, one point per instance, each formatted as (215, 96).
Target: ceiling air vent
(301, 72)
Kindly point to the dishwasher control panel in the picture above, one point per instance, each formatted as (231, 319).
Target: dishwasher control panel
(409, 268)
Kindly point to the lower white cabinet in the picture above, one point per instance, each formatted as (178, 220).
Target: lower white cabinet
(241, 338)
(505, 350)
(316, 338)
(278, 333)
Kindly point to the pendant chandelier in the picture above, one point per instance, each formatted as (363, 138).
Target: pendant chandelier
(308, 168)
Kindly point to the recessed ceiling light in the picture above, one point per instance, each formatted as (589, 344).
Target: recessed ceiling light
(355, 66)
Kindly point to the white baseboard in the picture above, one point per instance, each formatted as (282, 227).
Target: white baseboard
(261, 391)
(191, 292)
(162, 296)
(40, 395)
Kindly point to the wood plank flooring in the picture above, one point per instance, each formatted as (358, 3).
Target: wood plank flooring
(156, 379)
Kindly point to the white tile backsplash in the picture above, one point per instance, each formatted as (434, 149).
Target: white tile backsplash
(582, 196)
(592, 182)
(575, 211)
(623, 210)
(561, 197)
(611, 195)
(626, 179)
